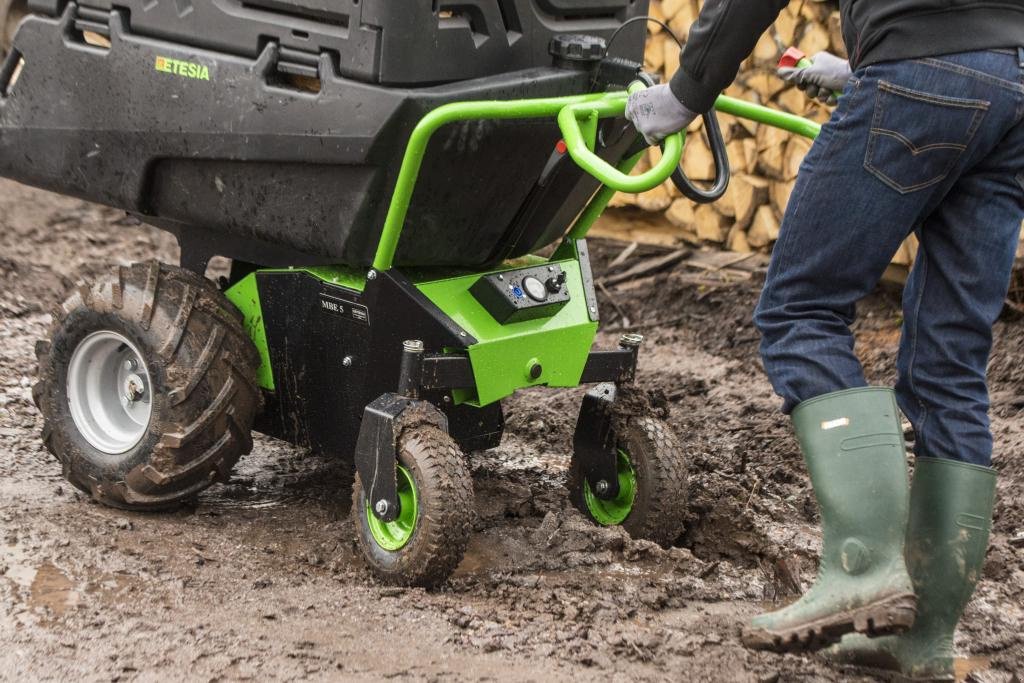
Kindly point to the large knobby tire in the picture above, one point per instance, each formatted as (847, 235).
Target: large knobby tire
(195, 377)
(654, 490)
(434, 540)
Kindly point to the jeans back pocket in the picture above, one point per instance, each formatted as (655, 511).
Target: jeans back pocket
(916, 138)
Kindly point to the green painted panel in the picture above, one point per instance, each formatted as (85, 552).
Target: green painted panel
(246, 297)
(504, 353)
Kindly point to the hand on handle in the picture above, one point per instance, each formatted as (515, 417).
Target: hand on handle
(823, 77)
(656, 113)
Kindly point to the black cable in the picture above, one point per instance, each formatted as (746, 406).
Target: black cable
(644, 18)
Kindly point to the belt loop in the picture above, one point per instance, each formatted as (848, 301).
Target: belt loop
(1020, 57)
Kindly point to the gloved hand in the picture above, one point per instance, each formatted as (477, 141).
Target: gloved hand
(822, 79)
(657, 113)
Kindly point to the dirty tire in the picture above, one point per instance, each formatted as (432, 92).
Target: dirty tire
(445, 492)
(661, 467)
(202, 371)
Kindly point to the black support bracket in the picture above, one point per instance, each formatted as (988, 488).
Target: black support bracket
(594, 442)
(377, 447)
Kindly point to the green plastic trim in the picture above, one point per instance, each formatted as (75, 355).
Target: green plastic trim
(590, 107)
(396, 535)
(615, 511)
(500, 358)
(245, 295)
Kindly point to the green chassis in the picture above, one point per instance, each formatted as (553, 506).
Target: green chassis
(503, 352)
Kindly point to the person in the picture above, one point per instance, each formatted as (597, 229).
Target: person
(927, 138)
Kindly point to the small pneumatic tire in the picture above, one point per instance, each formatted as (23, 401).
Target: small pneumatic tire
(436, 531)
(653, 476)
(194, 373)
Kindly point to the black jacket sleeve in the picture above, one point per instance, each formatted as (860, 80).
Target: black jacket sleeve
(722, 37)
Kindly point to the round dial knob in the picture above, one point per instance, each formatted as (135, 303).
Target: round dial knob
(535, 289)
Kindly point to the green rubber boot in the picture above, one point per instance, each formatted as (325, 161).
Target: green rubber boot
(853, 445)
(950, 516)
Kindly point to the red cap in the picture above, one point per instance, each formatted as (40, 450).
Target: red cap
(791, 57)
(561, 147)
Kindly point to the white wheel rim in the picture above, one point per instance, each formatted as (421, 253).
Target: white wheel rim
(109, 392)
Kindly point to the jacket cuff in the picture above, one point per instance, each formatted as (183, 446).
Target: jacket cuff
(694, 95)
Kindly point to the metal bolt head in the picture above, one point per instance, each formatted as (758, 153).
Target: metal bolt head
(130, 364)
(134, 388)
(413, 345)
(631, 341)
(347, 361)
(381, 507)
(372, 275)
(601, 487)
(593, 309)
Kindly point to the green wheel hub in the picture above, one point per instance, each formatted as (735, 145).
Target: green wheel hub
(397, 534)
(615, 511)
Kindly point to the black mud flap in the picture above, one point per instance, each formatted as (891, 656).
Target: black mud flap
(377, 447)
(594, 441)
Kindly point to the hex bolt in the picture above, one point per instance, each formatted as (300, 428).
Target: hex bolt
(631, 341)
(601, 487)
(372, 275)
(134, 388)
(347, 361)
(381, 507)
(130, 364)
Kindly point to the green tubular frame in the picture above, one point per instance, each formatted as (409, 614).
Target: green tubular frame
(577, 116)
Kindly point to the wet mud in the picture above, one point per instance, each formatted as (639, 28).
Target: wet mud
(260, 579)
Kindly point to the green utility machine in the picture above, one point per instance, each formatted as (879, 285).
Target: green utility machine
(381, 179)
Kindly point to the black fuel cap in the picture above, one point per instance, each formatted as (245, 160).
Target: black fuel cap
(577, 50)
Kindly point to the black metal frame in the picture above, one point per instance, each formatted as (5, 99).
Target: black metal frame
(383, 419)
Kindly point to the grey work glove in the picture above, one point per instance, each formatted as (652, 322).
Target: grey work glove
(657, 113)
(823, 79)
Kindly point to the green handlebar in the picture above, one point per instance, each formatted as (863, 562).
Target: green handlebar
(578, 116)
(579, 125)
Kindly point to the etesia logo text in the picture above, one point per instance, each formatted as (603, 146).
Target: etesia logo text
(184, 69)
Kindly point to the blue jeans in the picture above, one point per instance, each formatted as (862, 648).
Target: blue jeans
(930, 146)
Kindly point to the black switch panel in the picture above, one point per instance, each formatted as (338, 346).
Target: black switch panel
(527, 294)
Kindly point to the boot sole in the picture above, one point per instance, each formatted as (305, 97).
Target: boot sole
(884, 617)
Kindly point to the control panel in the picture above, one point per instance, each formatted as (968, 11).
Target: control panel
(525, 294)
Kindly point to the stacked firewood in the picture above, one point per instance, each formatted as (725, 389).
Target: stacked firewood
(764, 160)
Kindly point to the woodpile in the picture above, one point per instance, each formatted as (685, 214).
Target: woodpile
(764, 160)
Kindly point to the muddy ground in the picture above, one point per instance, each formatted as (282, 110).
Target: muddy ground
(260, 579)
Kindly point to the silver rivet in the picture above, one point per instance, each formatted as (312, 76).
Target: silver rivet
(381, 508)
(601, 487)
(501, 277)
(593, 309)
(372, 275)
(462, 334)
(347, 361)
